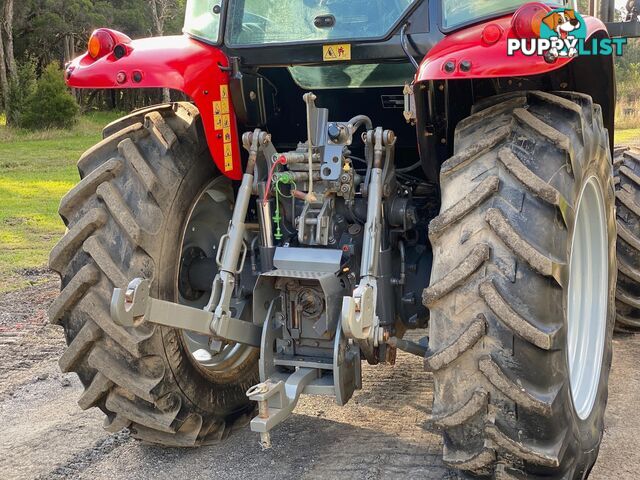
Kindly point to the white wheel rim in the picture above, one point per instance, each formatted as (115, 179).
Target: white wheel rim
(587, 297)
(201, 230)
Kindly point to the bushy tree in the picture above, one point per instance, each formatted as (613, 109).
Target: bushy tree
(20, 89)
(50, 105)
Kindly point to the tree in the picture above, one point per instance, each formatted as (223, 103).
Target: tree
(51, 105)
(161, 11)
(4, 84)
(7, 30)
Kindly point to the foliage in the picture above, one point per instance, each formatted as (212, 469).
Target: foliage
(41, 26)
(50, 105)
(20, 89)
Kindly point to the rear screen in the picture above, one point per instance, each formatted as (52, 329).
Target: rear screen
(256, 22)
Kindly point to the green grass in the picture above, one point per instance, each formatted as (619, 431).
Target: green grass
(36, 170)
(631, 135)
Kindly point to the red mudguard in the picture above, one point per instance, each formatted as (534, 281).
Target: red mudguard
(484, 60)
(179, 63)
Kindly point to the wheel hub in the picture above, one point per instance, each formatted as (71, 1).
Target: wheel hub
(207, 222)
(587, 297)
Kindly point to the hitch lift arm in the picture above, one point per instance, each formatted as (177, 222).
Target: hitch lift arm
(131, 307)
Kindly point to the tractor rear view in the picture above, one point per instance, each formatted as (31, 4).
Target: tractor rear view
(348, 171)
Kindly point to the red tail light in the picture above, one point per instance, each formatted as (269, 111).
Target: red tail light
(527, 20)
(101, 43)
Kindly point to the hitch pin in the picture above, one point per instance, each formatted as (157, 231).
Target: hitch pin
(263, 411)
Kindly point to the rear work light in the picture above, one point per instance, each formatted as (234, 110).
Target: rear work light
(101, 43)
(528, 18)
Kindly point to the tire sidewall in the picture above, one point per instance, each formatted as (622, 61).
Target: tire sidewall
(589, 431)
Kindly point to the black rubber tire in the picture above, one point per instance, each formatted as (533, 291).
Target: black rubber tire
(497, 343)
(627, 172)
(125, 219)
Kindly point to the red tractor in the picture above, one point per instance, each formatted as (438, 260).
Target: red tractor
(405, 164)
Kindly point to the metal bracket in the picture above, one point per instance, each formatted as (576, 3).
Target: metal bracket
(133, 306)
(280, 389)
(276, 401)
(409, 112)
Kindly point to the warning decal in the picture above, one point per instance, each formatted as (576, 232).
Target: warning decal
(222, 121)
(333, 53)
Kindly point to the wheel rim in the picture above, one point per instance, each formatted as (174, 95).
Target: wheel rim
(208, 220)
(587, 305)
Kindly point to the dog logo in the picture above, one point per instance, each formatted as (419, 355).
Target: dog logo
(562, 22)
(566, 25)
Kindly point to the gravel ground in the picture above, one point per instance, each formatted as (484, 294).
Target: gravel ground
(379, 434)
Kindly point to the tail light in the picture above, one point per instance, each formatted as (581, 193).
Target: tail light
(101, 43)
(528, 18)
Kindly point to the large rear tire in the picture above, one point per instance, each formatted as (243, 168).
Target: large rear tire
(127, 218)
(522, 290)
(627, 173)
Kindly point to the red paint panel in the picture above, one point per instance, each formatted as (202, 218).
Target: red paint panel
(179, 63)
(488, 60)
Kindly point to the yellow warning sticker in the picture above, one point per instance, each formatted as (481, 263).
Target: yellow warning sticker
(226, 135)
(217, 122)
(217, 108)
(228, 157)
(226, 121)
(224, 105)
(224, 91)
(333, 53)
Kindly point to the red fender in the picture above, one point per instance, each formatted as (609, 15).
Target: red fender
(488, 60)
(179, 63)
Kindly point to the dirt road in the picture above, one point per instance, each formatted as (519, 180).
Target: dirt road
(379, 434)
